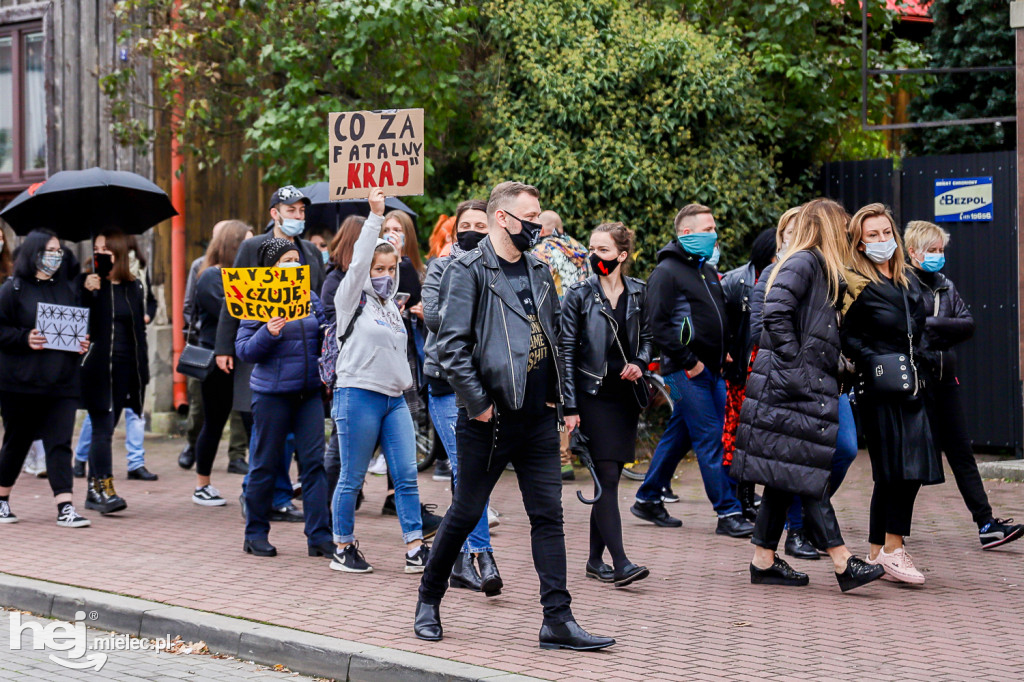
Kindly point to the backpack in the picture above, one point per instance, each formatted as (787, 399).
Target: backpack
(331, 346)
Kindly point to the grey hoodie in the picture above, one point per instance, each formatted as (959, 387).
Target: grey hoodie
(374, 356)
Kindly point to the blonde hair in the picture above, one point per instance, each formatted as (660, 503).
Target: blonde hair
(412, 244)
(781, 227)
(820, 224)
(859, 262)
(921, 233)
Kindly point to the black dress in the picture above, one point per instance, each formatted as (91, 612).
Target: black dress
(609, 419)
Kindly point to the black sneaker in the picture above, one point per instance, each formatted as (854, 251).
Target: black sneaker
(238, 466)
(418, 561)
(350, 560)
(997, 532)
(67, 517)
(442, 470)
(208, 496)
(668, 496)
(735, 526)
(79, 469)
(655, 513)
(431, 521)
(6, 515)
(780, 573)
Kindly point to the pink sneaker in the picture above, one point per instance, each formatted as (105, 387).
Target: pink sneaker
(875, 562)
(900, 566)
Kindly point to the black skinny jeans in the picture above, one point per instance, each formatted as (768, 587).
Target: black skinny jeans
(605, 522)
(892, 508)
(218, 391)
(28, 417)
(819, 520)
(531, 443)
(949, 431)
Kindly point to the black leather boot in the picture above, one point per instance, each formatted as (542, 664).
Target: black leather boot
(570, 635)
(858, 572)
(94, 495)
(464, 573)
(490, 579)
(745, 493)
(428, 622)
(115, 502)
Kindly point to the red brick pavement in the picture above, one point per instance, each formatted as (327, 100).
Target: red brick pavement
(697, 617)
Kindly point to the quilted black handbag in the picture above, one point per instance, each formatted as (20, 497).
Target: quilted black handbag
(894, 373)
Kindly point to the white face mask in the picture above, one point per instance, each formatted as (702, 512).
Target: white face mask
(880, 252)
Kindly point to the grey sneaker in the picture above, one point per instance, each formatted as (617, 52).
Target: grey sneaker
(6, 515)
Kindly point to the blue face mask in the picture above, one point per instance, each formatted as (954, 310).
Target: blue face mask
(292, 227)
(933, 262)
(716, 256)
(326, 256)
(700, 244)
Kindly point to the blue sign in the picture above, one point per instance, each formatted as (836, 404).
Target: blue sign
(963, 200)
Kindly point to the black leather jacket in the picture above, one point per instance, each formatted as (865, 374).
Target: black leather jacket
(587, 331)
(738, 286)
(483, 342)
(949, 322)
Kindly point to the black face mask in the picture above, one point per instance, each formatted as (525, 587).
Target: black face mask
(469, 240)
(526, 238)
(102, 264)
(602, 266)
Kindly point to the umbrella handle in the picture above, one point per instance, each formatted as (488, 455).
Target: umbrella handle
(597, 485)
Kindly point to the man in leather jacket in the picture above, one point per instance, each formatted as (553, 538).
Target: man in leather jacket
(498, 344)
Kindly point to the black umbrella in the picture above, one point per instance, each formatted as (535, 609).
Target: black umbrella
(580, 446)
(323, 212)
(77, 204)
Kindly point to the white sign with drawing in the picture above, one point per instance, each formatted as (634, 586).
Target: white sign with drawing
(64, 326)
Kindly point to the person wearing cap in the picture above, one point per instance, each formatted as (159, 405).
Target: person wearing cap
(286, 400)
(288, 213)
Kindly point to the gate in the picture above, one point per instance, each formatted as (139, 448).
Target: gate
(982, 261)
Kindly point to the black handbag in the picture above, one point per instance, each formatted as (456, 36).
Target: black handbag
(195, 361)
(894, 373)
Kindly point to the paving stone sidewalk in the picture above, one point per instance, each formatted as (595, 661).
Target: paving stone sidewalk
(696, 618)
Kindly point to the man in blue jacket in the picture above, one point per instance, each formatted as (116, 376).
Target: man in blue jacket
(686, 312)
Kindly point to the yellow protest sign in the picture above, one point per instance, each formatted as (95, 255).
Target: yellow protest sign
(265, 293)
(376, 149)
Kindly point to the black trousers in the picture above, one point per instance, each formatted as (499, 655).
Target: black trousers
(217, 390)
(949, 431)
(819, 520)
(892, 508)
(531, 443)
(28, 417)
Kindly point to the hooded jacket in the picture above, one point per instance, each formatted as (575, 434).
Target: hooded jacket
(286, 363)
(686, 311)
(374, 356)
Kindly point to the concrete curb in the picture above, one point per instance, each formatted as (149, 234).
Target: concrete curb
(1012, 470)
(302, 652)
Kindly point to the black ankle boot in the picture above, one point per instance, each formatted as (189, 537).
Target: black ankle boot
(745, 493)
(102, 497)
(798, 546)
(464, 573)
(490, 579)
(428, 622)
(94, 495)
(858, 573)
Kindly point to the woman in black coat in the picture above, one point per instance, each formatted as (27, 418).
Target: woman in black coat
(903, 458)
(115, 371)
(39, 387)
(790, 418)
(949, 324)
(607, 346)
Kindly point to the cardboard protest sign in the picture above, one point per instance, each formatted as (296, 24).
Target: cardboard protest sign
(64, 326)
(376, 149)
(265, 293)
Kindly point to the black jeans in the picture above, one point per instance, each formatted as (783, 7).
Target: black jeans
(892, 508)
(819, 520)
(217, 390)
(28, 417)
(100, 450)
(531, 444)
(949, 431)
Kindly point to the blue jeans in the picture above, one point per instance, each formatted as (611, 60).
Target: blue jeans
(364, 417)
(846, 452)
(275, 416)
(283, 490)
(445, 414)
(135, 433)
(697, 421)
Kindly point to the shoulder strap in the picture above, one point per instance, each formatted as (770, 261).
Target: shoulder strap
(352, 321)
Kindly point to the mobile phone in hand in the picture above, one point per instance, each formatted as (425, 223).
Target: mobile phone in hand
(401, 298)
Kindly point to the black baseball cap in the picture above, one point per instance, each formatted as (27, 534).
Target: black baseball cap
(288, 194)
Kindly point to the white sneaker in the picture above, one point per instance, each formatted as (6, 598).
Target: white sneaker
(69, 518)
(492, 517)
(378, 466)
(35, 461)
(208, 496)
(900, 566)
(874, 562)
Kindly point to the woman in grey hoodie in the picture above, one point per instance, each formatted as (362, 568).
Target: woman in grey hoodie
(373, 371)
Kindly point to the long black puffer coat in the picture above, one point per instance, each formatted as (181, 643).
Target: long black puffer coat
(790, 418)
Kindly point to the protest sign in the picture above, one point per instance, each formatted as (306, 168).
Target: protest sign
(64, 326)
(376, 149)
(262, 294)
